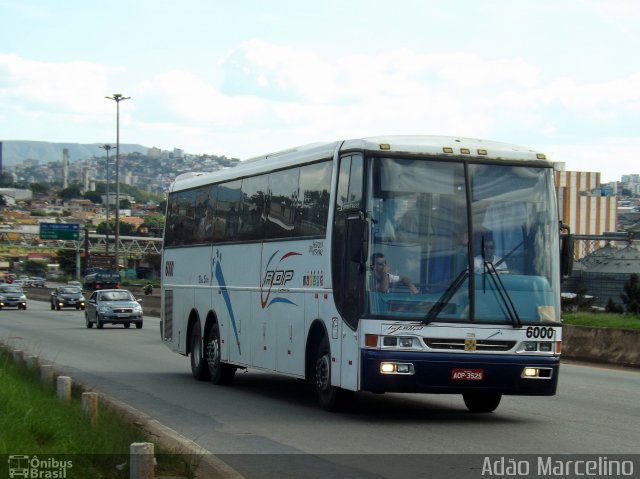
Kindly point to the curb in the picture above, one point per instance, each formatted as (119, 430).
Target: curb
(208, 465)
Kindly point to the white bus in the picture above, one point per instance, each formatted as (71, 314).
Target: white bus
(274, 264)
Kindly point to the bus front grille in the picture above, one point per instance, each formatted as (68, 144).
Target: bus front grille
(459, 344)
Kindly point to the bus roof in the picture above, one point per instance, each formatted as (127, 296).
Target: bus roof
(441, 146)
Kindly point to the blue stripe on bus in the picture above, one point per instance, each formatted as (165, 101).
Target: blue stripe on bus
(227, 300)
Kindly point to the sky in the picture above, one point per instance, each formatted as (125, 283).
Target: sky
(240, 78)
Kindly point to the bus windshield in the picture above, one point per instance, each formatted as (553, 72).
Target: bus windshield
(462, 242)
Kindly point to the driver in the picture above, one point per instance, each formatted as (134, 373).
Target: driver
(384, 279)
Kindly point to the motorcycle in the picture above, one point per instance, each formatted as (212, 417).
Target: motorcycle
(148, 290)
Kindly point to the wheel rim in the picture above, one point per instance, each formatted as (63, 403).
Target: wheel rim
(323, 372)
(196, 348)
(213, 352)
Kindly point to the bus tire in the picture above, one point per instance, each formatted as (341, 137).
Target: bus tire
(199, 367)
(481, 402)
(220, 373)
(331, 398)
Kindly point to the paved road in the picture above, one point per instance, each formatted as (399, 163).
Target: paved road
(260, 421)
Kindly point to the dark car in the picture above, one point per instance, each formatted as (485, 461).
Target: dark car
(114, 306)
(67, 297)
(12, 296)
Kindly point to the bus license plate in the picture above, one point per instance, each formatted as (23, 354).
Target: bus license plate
(467, 374)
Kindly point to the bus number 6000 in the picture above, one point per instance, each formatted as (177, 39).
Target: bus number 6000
(539, 332)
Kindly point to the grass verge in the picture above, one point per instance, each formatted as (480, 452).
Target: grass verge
(34, 422)
(602, 320)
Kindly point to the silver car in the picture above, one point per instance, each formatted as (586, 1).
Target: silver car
(37, 282)
(12, 296)
(67, 296)
(114, 306)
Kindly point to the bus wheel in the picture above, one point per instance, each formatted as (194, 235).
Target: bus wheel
(481, 402)
(332, 398)
(199, 367)
(219, 372)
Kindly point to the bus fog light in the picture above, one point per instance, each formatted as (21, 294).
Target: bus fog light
(396, 368)
(387, 368)
(531, 372)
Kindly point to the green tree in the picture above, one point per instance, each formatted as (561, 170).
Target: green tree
(66, 258)
(35, 268)
(613, 307)
(93, 196)
(69, 193)
(102, 229)
(153, 225)
(631, 295)
(39, 188)
(126, 229)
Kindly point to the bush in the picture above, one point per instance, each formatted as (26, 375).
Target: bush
(631, 295)
(613, 307)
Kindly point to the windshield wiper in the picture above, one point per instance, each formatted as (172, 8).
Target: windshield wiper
(437, 308)
(490, 268)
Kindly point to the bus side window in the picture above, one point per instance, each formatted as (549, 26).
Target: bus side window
(313, 202)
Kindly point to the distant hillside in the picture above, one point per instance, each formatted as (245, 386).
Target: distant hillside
(15, 152)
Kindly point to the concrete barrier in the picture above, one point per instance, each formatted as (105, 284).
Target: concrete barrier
(601, 345)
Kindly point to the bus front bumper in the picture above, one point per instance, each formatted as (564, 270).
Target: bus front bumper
(446, 373)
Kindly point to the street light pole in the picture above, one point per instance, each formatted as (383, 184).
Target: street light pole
(107, 148)
(117, 97)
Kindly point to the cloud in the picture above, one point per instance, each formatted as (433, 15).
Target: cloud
(36, 88)
(267, 96)
(611, 156)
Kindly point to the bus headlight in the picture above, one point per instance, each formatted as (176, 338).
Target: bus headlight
(392, 342)
(540, 346)
(401, 342)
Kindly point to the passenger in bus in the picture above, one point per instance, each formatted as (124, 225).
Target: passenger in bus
(481, 264)
(204, 231)
(384, 279)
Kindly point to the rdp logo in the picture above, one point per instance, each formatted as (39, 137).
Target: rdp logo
(277, 277)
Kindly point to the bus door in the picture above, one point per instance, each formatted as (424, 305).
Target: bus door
(278, 319)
